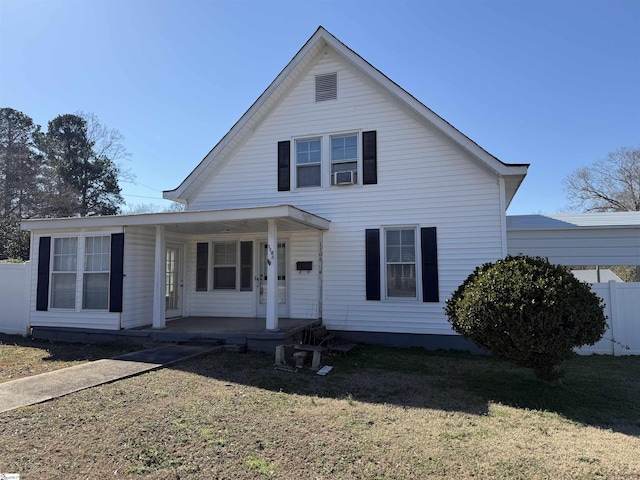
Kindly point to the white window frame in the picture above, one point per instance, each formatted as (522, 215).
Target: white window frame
(63, 272)
(326, 163)
(235, 265)
(86, 271)
(79, 272)
(356, 159)
(319, 163)
(417, 261)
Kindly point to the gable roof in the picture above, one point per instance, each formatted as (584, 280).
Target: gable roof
(300, 64)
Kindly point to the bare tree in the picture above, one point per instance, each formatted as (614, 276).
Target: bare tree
(108, 143)
(153, 208)
(611, 184)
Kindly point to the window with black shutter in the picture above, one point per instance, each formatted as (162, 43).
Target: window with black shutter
(202, 267)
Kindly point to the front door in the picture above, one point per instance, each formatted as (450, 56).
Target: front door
(173, 282)
(282, 280)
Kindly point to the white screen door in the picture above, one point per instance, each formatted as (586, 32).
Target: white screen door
(173, 282)
(282, 280)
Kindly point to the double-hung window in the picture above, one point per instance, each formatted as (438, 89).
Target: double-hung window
(400, 259)
(344, 159)
(63, 272)
(328, 160)
(224, 265)
(92, 271)
(95, 285)
(308, 162)
(232, 266)
(84, 272)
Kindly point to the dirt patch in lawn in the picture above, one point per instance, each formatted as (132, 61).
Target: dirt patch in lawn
(381, 413)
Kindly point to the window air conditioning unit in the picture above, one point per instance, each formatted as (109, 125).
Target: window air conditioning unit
(343, 178)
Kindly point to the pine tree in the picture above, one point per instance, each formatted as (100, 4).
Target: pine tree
(20, 173)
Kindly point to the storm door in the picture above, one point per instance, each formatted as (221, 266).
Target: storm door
(173, 282)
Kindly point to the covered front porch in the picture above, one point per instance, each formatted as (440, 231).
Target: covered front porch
(257, 267)
(266, 268)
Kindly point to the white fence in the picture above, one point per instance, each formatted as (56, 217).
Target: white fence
(623, 316)
(14, 297)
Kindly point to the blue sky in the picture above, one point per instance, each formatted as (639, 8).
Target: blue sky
(552, 83)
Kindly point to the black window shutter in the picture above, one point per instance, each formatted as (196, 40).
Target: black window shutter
(202, 267)
(246, 266)
(369, 158)
(372, 243)
(117, 272)
(429, 252)
(42, 289)
(284, 172)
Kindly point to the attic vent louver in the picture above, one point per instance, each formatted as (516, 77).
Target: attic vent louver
(326, 87)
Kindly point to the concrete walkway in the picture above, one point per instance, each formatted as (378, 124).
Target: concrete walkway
(40, 388)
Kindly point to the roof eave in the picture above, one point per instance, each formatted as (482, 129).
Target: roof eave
(174, 218)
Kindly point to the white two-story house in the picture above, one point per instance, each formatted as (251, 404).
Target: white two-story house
(337, 196)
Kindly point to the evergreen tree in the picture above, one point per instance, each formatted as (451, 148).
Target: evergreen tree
(79, 181)
(20, 165)
(20, 173)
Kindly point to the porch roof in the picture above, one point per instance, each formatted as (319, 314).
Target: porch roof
(202, 222)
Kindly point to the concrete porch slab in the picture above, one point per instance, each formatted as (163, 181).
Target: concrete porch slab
(249, 332)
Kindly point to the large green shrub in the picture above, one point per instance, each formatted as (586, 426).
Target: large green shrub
(528, 311)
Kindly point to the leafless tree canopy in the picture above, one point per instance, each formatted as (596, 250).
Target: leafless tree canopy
(154, 208)
(108, 143)
(608, 185)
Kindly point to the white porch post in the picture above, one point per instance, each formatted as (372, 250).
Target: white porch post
(272, 275)
(159, 280)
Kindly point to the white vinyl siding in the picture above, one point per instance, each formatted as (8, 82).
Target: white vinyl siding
(577, 246)
(139, 259)
(215, 302)
(303, 288)
(423, 180)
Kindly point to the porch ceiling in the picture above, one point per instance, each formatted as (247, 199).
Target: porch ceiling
(236, 220)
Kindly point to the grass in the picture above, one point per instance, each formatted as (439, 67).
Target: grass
(23, 357)
(380, 414)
